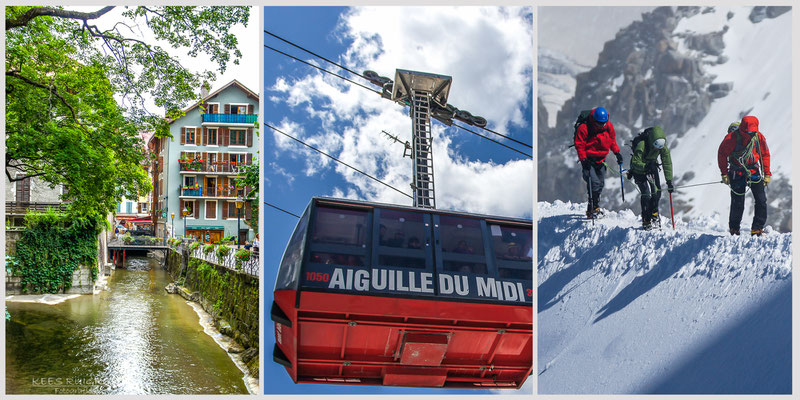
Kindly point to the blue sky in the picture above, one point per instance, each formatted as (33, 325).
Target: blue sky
(487, 51)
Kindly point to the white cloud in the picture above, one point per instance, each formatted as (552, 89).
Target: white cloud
(488, 53)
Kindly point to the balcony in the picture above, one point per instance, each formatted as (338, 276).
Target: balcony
(219, 191)
(21, 208)
(218, 167)
(230, 118)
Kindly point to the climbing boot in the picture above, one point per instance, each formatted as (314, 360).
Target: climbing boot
(733, 231)
(655, 220)
(756, 232)
(646, 224)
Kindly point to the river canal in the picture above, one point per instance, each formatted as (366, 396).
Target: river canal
(132, 339)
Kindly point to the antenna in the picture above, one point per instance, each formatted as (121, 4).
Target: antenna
(406, 144)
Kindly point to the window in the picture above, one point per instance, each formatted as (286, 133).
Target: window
(401, 239)
(211, 209)
(238, 109)
(143, 207)
(212, 108)
(191, 135)
(238, 137)
(340, 226)
(128, 207)
(188, 181)
(212, 137)
(232, 210)
(513, 251)
(238, 158)
(188, 204)
(462, 245)
(339, 237)
(293, 256)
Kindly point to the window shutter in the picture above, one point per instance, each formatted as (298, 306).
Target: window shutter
(227, 108)
(205, 136)
(224, 210)
(196, 210)
(249, 159)
(248, 210)
(249, 137)
(227, 136)
(183, 135)
(138, 208)
(160, 163)
(250, 108)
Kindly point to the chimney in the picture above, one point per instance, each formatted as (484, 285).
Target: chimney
(203, 92)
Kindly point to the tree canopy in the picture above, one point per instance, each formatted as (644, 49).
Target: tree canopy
(77, 95)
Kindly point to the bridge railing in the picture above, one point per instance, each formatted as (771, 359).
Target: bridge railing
(243, 262)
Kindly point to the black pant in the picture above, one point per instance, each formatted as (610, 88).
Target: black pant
(650, 188)
(595, 176)
(739, 185)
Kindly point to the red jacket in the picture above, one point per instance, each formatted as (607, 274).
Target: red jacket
(729, 146)
(595, 144)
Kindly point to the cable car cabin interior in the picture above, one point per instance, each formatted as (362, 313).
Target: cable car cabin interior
(376, 294)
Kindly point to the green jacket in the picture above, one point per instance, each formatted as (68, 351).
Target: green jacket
(645, 154)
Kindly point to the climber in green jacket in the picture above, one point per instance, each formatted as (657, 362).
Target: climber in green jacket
(647, 147)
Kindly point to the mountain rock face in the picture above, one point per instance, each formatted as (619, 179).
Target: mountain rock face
(650, 74)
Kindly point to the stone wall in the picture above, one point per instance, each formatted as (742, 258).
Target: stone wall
(81, 282)
(229, 296)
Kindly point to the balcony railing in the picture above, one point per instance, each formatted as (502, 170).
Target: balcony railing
(213, 191)
(21, 208)
(230, 118)
(212, 166)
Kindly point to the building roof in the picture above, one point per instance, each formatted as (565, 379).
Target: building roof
(218, 91)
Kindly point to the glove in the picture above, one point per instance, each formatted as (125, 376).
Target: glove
(629, 175)
(619, 158)
(670, 188)
(585, 163)
(726, 179)
(767, 179)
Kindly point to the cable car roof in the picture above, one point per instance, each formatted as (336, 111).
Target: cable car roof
(362, 203)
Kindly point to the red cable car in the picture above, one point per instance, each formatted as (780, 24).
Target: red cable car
(377, 294)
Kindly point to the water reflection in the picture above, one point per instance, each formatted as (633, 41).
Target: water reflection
(133, 339)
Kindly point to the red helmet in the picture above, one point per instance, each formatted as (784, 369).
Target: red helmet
(749, 124)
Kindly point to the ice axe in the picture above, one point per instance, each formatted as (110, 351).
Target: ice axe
(671, 211)
(621, 183)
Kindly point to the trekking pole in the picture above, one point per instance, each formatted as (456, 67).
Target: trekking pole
(672, 211)
(621, 183)
(589, 192)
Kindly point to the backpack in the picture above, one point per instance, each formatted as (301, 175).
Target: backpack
(583, 118)
(638, 138)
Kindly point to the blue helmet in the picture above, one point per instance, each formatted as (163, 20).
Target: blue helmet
(600, 115)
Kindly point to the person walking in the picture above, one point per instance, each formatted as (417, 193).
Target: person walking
(743, 159)
(648, 147)
(594, 138)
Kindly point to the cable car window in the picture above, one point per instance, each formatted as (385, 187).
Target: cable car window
(401, 229)
(338, 226)
(349, 260)
(293, 256)
(461, 235)
(514, 244)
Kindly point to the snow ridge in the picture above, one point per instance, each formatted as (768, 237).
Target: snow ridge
(621, 310)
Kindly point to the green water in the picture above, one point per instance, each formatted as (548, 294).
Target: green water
(132, 339)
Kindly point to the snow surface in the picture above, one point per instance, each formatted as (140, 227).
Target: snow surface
(760, 67)
(691, 310)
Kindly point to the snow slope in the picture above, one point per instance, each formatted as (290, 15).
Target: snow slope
(621, 310)
(760, 68)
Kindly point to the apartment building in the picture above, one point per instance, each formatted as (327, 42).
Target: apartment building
(195, 172)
